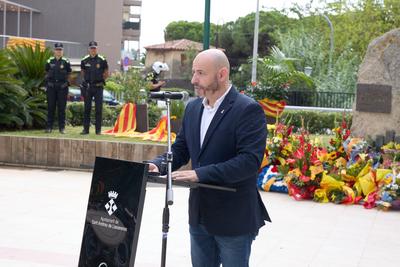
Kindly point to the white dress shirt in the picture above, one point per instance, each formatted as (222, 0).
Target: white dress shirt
(208, 114)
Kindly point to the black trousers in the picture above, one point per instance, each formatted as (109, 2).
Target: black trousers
(95, 92)
(56, 97)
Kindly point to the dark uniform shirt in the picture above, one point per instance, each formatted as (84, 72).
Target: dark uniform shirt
(154, 78)
(94, 68)
(58, 70)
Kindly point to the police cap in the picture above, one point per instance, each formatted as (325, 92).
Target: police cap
(58, 46)
(92, 44)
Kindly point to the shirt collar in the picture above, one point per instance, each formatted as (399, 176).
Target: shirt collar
(218, 102)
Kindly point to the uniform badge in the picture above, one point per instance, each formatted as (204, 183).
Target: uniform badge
(61, 66)
(98, 65)
(87, 65)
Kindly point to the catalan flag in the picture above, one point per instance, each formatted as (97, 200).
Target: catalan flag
(126, 120)
(157, 134)
(272, 108)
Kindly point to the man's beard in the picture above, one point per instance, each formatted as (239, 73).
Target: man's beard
(213, 87)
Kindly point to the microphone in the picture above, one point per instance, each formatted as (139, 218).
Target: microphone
(162, 95)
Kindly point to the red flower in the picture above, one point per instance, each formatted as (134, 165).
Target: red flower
(305, 178)
(290, 161)
(299, 154)
(344, 125)
(254, 84)
(289, 130)
(347, 134)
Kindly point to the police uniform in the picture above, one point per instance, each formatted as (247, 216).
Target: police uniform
(92, 87)
(154, 78)
(57, 72)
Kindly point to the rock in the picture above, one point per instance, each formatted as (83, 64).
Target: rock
(381, 67)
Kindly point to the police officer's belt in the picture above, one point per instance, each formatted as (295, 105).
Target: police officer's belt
(57, 82)
(98, 84)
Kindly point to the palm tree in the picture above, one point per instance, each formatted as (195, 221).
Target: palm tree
(30, 62)
(277, 74)
(12, 109)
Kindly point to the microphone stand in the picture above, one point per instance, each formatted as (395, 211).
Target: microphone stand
(169, 196)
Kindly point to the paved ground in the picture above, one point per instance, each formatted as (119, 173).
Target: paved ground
(42, 215)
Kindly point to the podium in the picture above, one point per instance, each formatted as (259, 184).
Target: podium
(114, 212)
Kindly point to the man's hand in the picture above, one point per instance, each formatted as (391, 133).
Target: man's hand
(153, 168)
(190, 176)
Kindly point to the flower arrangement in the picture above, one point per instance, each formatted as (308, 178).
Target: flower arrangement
(347, 171)
(306, 169)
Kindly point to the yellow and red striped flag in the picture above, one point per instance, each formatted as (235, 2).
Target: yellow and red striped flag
(273, 108)
(126, 120)
(157, 134)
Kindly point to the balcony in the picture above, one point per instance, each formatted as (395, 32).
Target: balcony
(132, 2)
(130, 34)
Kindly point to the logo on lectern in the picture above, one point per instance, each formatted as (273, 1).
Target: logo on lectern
(111, 207)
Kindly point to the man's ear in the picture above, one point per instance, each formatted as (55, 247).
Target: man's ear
(223, 74)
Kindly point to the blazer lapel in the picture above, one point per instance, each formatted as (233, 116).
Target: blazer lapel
(196, 123)
(224, 108)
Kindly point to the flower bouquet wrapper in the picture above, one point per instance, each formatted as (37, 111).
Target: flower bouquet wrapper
(270, 180)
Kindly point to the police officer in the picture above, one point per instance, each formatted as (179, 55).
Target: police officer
(94, 71)
(58, 70)
(154, 76)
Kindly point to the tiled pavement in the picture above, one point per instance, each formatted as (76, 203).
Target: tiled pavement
(42, 215)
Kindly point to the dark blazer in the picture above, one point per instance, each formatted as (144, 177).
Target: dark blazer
(231, 155)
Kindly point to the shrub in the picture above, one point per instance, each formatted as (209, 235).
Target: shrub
(154, 115)
(30, 62)
(12, 109)
(75, 111)
(177, 108)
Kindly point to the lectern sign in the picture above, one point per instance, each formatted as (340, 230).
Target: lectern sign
(113, 214)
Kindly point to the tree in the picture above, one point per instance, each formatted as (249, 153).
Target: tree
(187, 30)
(237, 37)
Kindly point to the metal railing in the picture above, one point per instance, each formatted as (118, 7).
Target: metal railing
(321, 99)
(71, 49)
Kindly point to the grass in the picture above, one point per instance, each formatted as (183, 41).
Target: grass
(74, 133)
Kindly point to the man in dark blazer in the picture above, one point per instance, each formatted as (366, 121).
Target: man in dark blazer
(223, 134)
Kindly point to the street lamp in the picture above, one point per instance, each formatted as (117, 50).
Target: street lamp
(308, 70)
(331, 41)
(255, 46)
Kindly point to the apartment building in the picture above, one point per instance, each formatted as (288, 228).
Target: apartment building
(115, 24)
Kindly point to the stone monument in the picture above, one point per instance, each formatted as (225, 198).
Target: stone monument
(376, 112)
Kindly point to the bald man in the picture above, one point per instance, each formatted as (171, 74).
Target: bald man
(223, 134)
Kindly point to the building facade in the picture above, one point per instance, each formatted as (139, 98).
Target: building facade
(75, 23)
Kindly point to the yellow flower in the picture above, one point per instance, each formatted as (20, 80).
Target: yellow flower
(271, 127)
(315, 170)
(295, 172)
(320, 195)
(332, 155)
(288, 147)
(341, 162)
